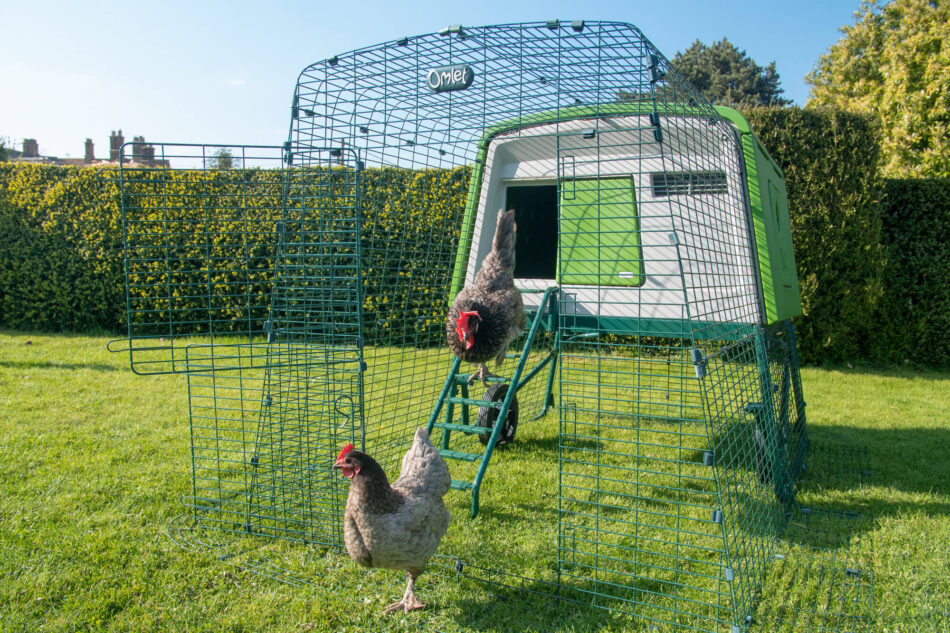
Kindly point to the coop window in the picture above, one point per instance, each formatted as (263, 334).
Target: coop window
(684, 183)
(536, 239)
(599, 241)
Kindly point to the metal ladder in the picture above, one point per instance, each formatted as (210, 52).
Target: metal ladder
(455, 392)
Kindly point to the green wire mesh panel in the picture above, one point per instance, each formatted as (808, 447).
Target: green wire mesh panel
(243, 273)
(305, 297)
(200, 246)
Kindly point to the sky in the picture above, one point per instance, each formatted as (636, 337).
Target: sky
(218, 72)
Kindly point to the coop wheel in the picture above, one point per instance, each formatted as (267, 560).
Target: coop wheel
(488, 415)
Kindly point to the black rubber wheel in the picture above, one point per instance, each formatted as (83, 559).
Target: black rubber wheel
(488, 415)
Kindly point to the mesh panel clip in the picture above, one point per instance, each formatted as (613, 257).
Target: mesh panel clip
(717, 518)
(728, 574)
(709, 458)
(655, 73)
(700, 363)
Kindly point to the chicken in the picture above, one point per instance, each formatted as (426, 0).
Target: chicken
(398, 526)
(489, 314)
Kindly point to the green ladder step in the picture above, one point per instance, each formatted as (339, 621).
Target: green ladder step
(464, 428)
(460, 455)
(473, 402)
(458, 484)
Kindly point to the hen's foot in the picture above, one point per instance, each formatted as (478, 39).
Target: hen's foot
(408, 604)
(482, 374)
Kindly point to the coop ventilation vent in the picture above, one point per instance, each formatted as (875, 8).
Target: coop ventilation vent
(688, 183)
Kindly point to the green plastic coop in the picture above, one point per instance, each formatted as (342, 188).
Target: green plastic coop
(303, 292)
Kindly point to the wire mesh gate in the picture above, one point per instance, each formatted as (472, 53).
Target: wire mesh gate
(256, 265)
(303, 290)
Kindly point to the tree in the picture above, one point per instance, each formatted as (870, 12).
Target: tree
(6, 143)
(894, 62)
(727, 76)
(223, 159)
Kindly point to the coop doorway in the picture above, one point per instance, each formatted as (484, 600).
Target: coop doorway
(594, 231)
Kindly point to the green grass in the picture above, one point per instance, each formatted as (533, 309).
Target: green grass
(95, 461)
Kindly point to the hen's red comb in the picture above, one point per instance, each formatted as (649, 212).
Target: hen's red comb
(465, 316)
(346, 449)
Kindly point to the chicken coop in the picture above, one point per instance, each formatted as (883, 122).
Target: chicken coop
(302, 290)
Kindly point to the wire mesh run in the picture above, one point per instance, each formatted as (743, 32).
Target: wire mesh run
(303, 290)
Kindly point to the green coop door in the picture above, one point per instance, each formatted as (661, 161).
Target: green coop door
(599, 238)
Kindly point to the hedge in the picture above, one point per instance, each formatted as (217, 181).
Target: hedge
(873, 268)
(61, 251)
(63, 268)
(914, 318)
(830, 161)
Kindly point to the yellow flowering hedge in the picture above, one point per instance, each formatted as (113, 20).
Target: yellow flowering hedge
(203, 248)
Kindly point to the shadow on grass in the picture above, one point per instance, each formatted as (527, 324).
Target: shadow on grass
(909, 371)
(551, 443)
(859, 462)
(527, 604)
(911, 460)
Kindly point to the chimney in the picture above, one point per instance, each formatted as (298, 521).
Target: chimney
(148, 154)
(30, 148)
(115, 146)
(90, 152)
(138, 148)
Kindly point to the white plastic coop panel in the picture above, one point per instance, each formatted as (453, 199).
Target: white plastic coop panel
(625, 146)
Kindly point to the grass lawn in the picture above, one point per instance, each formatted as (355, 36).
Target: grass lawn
(95, 461)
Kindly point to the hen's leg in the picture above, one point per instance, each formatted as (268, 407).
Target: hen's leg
(482, 374)
(501, 357)
(409, 601)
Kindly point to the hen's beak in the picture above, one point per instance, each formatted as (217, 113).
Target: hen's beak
(337, 465)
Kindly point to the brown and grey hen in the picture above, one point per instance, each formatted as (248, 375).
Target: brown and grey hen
(489, 314)
(396, 526)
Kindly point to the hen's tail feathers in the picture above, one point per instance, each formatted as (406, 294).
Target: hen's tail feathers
(504, 243)
(423, 469)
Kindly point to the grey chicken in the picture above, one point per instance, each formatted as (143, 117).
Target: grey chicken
(489, 314)
(396, 526)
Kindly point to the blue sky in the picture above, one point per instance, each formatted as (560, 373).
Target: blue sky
(223, 72)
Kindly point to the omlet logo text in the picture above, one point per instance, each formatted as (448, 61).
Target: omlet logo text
(445, 78)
